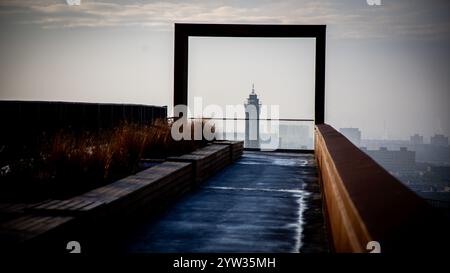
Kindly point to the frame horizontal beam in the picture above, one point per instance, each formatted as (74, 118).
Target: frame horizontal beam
(181, 52)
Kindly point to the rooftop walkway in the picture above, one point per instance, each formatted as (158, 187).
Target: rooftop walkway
(264, 202)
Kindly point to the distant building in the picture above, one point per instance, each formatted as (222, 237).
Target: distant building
(402, 160)
(353, 134)
(390, 144)
(252, 110)
(294, 137)
(436, 154)
(416, 139)
(439, 140)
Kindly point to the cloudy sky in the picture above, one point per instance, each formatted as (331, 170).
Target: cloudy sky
(386, 64)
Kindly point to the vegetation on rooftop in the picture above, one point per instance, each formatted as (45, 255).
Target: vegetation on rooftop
(68, 163)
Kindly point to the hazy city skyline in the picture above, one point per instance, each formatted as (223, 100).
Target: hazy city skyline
(387, 66)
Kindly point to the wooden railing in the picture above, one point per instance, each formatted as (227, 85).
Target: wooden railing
(365, 203)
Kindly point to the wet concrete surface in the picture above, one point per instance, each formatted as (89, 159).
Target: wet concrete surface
(264, 202)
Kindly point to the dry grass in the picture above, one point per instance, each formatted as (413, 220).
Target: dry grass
(71, 163)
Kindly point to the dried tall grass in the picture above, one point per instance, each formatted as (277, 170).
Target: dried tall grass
(71, 163)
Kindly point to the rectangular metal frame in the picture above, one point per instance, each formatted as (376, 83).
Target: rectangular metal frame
(184, 31)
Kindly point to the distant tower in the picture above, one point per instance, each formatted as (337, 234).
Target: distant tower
(416, 139)
(252, 108)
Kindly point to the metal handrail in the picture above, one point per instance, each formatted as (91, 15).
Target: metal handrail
(266, 119)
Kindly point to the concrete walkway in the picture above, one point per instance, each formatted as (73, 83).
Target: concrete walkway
(258, 204)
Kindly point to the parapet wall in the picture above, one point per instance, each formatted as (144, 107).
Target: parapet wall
(365, 203)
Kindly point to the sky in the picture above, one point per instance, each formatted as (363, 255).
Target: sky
(387, 66)
(223, 71)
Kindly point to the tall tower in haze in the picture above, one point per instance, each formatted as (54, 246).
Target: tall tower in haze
(252, 108)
